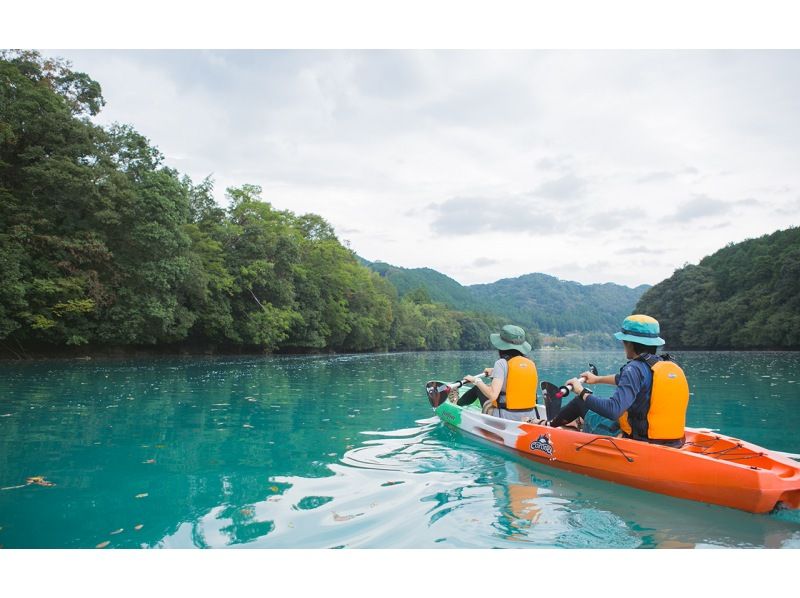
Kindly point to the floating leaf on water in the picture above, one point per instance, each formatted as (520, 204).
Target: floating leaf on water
(143, 495)
(161, 445)
(138, 526)
(274, 488)
(337, 517)
(103, 544)
(117, 531)
(247, 512)
(39, 481)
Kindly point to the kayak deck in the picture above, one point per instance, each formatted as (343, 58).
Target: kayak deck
(709, 467)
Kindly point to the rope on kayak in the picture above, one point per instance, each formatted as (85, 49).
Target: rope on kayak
(611, 440)
(724, 453)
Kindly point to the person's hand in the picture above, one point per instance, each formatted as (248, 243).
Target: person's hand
(470, 379)
(577, 387)
(488, 372)
(589, 377)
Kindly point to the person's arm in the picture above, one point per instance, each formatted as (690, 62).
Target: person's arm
(490, 391)
(594, 379)
(629, 383)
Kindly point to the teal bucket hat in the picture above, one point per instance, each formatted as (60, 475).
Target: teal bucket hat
(511, 337)
(640, 329)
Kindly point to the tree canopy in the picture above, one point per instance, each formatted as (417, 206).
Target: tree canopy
(103, 245)
(744, 296)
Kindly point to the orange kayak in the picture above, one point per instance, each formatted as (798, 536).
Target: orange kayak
(709, 467)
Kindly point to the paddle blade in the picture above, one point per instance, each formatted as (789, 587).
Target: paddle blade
(437, 392)
(552, 399)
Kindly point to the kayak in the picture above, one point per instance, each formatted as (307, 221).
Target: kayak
(709, 467)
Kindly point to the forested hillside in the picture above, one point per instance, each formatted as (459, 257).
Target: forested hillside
(560, 306)
(102, 245)
(744, 296)
(535, 301)
(438, 287)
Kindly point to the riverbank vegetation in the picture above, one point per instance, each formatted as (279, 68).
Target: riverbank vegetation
(103, 245)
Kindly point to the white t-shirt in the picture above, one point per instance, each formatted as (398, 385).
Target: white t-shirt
(500, 370)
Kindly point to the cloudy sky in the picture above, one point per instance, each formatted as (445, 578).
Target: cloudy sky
(594, 166)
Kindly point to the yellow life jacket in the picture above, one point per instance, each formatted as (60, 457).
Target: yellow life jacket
(521, 385)
(666, 412)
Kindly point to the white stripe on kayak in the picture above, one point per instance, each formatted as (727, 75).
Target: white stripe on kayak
(789, 455)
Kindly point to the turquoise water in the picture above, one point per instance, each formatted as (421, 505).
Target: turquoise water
(342, 452)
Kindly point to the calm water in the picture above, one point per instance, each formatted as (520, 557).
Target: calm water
(334, 452)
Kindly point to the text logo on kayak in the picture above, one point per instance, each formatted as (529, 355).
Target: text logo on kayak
(543, 444)
(448, 417)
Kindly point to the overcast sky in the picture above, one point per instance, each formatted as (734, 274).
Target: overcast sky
(594, 166)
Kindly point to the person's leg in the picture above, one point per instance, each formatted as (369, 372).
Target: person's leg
(469, 397)
(573, 410)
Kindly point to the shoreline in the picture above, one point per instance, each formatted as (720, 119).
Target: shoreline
(119, 353)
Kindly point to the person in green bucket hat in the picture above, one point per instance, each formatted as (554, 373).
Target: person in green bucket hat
(512, 393)
(651, 394)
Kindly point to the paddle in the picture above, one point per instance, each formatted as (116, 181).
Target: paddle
(565, 390)
(552, 400)
(438, 391)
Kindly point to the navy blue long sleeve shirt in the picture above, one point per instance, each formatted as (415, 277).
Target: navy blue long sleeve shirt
(633, 381)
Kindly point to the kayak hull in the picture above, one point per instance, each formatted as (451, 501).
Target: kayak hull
(709, 467)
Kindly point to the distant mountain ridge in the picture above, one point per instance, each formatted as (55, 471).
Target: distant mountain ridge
(545, 302)
(440, 288)
(560, 306)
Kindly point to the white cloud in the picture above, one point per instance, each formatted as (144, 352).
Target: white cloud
(534, 160)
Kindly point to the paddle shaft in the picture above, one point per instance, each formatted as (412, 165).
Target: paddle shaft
(565, 390)
(462, 382)
(437, 392)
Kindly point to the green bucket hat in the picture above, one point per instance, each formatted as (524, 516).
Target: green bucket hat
(640, 329)
(511, 337)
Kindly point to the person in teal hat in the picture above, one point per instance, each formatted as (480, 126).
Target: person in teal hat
(651, 394)
(512, 392)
